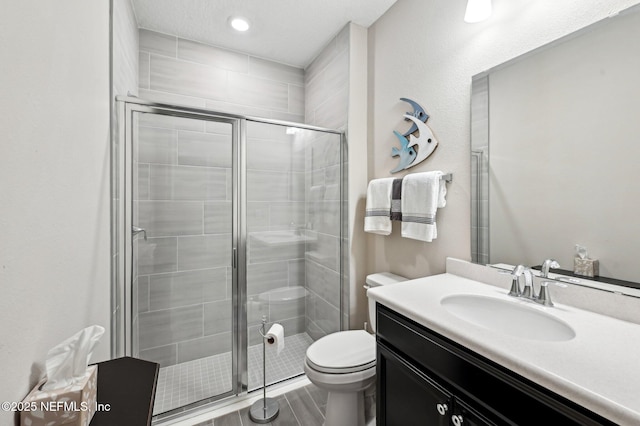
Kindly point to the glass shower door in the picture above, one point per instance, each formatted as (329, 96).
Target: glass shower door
(183, 240)
(293, 256)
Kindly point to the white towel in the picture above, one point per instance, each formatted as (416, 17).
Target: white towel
(377, 218)
(422, 194)
(442, 193)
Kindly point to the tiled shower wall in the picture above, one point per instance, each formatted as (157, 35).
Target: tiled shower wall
(322, 259)
(275, 206)
(327, 84)
(182, 197)
(184, 72)
(326, 104)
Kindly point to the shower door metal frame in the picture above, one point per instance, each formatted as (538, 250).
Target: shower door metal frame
(122, 309)
(129, 107)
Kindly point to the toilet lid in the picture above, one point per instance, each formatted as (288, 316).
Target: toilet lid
(343, 352)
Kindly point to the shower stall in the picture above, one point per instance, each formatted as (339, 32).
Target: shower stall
(222, 220)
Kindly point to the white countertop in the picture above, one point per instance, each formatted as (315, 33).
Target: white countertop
(599, 368)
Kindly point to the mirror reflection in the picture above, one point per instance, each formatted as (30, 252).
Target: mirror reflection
(555, 152)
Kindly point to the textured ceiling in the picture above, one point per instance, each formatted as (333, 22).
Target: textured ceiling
(288, 31)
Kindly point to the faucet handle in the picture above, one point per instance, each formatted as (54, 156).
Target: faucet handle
(544, 298)
(515, 280)
(515, 288)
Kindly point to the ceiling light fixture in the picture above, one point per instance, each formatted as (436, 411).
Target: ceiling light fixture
(238, 23)
(477, 10)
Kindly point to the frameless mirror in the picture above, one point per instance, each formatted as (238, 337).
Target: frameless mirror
(555, 152)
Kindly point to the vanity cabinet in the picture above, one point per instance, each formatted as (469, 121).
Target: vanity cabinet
(413, 398)
(426, 379)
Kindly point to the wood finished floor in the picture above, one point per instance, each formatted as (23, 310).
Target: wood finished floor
(300, 407)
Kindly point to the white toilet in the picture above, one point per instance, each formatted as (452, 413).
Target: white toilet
(344, 364)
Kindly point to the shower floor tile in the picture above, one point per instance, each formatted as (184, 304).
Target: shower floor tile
(193, 381)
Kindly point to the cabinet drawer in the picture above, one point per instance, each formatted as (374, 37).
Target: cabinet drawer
(496, 389)
(410, 398)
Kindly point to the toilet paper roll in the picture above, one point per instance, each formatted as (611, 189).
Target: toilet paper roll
(275, 336)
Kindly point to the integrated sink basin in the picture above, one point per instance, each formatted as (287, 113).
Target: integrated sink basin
(515, 318)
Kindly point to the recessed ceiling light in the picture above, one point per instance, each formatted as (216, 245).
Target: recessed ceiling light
(238, 23)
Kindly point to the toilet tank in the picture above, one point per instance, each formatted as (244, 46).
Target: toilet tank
(375, 280)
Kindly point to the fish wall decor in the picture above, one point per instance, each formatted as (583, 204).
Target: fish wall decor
(414, 149)
(418, 112)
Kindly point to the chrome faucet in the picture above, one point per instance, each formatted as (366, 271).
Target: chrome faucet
(548, 264)
(515, 281)
(528, 292)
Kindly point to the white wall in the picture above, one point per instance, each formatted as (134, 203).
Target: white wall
(357, 170)
(54, 182)
(423, 50)
(124, 82)
(125, 49)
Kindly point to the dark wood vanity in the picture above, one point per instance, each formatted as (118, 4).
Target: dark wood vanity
(423, 378)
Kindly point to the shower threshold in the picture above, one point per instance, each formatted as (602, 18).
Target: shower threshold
(189, 382)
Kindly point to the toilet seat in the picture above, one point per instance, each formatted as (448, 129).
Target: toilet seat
(343, 352)
(344, 365)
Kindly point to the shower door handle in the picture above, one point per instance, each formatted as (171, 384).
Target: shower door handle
(234, 261)
(135, 230)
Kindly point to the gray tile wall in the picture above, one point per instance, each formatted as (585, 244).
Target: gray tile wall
(183, 192)
(326, 103)
(190, 73)
(327, 84)
(184, 197)
(276, 199)
(183, 200)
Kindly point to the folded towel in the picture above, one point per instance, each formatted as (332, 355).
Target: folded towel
(377, 218)
(422, 194)
(396, 197)
(442, 193)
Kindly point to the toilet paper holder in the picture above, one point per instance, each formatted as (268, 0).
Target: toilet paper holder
(265, 409)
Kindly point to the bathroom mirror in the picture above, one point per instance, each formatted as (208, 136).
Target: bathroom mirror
(555, 152)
